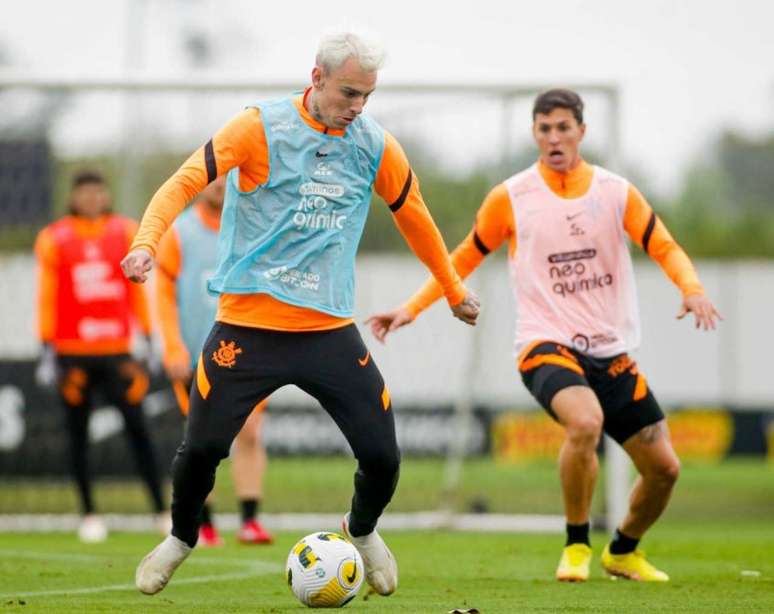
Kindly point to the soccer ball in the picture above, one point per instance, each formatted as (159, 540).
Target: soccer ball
(324, 570)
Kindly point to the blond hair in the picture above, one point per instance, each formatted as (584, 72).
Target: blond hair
(336, 47)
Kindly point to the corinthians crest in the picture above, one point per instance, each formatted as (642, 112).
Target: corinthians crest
(225, 355)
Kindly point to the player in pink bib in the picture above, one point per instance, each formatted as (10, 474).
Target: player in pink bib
(576, 320)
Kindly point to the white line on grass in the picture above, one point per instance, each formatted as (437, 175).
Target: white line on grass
(42, 523)
(47, 556)
(90, 558)
(255, 569)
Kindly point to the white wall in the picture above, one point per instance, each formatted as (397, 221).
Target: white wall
(427, 362)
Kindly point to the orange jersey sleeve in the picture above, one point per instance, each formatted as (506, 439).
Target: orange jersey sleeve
(46, 256)
(241, 142)
(648, 231)
(494, 224)
(168, 258)
(396, 183)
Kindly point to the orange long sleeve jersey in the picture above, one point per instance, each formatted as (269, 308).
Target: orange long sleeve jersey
(495, 224)
(47, 309)
(242, 143)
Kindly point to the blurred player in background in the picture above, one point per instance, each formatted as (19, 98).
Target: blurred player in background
(86, 309)
(301, 170)
(186, 257)
(577, 319)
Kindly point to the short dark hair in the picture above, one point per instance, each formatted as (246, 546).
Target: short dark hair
(558, 99)
(87, 176)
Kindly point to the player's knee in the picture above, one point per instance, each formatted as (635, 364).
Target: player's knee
(669, 471)
(663, 473)
(585, 430)
(386, 463)
(247, 439)
(207, 451)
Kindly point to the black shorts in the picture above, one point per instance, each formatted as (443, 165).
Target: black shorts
(240, 366)
(627, 403)
(122, 380)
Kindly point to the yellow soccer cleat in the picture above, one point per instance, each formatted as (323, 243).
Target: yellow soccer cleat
(574, 564)
(632, 566)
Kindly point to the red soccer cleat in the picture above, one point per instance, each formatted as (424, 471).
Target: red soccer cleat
(209, 537)
(252, 532)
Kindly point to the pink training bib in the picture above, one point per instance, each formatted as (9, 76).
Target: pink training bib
(572, 273)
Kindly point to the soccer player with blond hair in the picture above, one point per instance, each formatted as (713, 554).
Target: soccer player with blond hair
(300, 173)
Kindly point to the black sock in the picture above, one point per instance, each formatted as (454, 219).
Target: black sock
(206, 514)
(622, 544)
(578, 534)
(249, 509)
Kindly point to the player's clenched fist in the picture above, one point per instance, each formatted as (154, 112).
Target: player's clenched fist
(468, 309)
(136, 265)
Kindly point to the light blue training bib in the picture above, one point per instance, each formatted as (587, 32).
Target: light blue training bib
(295, 237)
(196, 307)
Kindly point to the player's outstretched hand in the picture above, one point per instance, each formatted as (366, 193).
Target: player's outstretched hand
(703, 310)
(468, 309)
(383, 323)
(136, 265)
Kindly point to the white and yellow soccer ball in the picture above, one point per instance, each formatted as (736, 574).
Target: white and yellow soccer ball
(324, 570)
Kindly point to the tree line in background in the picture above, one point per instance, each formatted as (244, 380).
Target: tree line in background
(725, 208)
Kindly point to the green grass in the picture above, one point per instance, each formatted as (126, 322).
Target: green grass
(719, 524)
(740, 489)
(439, 571)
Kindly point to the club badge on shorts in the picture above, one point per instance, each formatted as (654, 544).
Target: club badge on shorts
(225, 355)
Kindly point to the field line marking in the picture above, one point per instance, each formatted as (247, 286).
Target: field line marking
(255, 570)
(45, 556)
(90, 558)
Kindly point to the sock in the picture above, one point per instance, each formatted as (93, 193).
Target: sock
(357, 529)
(249, 509)
(206, 515)
(622, 544)
(578, 534)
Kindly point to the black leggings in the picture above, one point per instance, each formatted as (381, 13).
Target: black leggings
(124, 383)
(241, 366)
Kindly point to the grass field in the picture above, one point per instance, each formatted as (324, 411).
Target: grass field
(439, 571)
(715, 540)
(735, 490)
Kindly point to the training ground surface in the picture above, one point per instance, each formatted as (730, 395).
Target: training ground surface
(716, 541)
(711, 566)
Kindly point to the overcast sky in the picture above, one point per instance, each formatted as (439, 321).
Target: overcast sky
(686, 67)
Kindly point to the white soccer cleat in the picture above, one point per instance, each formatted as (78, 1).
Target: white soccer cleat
(92, 529)
(380, 566)
(155, 570)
